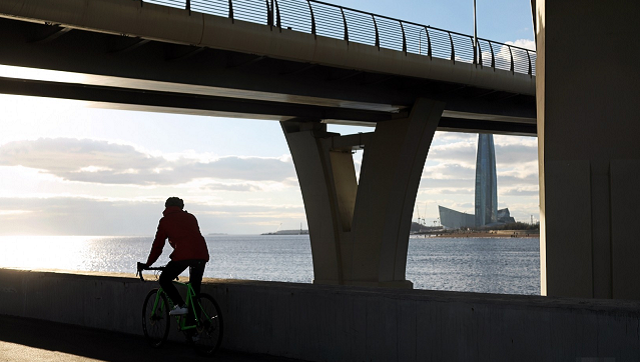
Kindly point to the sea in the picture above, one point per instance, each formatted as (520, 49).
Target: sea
(482, 265)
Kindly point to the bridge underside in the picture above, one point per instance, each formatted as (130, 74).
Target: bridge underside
(137, 74)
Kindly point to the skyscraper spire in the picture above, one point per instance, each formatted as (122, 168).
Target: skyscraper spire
(486, 182)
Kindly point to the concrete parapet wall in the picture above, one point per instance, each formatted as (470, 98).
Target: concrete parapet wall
(331, 323)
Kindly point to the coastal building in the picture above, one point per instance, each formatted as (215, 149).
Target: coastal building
(486, 193)
(453, 219)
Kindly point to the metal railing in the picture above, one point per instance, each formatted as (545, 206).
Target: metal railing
(333, 21)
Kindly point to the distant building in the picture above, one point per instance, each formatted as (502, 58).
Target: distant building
(453, 219)
(504, 216)
(486, 197)
(486, 182)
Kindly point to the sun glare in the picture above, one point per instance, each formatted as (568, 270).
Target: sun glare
(43, 252)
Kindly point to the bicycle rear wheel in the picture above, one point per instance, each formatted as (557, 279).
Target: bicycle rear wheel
(209, 327)
(155, 318)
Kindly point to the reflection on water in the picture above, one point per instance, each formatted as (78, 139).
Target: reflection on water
(483, 265)
(60, 252)
(489, 265)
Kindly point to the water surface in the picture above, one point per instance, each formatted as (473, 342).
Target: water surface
(488, 265)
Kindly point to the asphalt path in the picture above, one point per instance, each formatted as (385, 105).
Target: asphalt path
(29, 340)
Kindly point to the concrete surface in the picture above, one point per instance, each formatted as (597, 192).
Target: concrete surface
(588, 83)
(359, 228)
(32, 340)
(151, 22)
(340, 323)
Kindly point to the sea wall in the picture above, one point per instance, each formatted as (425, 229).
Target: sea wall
(326, 323)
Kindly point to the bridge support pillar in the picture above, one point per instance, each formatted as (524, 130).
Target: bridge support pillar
(588, 82)
(359, 231)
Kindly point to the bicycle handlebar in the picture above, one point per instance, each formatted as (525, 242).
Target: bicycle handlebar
(141, 266)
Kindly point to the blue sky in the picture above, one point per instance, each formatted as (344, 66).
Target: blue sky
(69, 169)
(499, 20)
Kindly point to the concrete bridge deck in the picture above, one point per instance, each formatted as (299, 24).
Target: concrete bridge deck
(157, 58)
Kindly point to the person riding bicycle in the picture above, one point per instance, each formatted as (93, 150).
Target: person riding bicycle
(190, 250)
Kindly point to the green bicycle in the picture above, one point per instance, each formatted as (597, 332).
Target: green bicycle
(202, 325)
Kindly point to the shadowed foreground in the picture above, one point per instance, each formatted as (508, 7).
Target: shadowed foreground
(322, 322)
(30, 340)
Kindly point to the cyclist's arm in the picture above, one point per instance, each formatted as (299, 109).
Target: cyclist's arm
(158, 245)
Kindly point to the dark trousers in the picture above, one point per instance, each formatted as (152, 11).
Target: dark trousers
(173, 269)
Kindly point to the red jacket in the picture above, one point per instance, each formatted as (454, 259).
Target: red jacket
(184, 237)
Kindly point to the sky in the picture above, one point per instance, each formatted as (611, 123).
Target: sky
(70, 169)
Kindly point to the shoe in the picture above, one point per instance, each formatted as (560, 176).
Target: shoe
(178, 310)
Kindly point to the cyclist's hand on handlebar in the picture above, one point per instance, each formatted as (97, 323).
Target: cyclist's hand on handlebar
(140, 267)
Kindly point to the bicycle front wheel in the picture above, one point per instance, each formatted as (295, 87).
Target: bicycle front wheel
(155, 318)
(209, 326)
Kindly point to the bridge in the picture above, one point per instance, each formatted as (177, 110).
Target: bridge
(268, 60)
(306, 64)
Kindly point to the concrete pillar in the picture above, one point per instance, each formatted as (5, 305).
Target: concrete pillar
(360, 231)
(588, 89)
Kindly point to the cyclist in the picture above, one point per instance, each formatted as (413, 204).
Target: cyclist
(189, 251)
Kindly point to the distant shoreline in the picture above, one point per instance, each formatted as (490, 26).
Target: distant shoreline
(492, 234)
(288, 232)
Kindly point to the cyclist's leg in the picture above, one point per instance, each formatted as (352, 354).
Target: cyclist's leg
(196, 270)
(172, 270)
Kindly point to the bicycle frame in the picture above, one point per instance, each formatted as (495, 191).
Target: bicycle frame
(190, 301)
(202, 325)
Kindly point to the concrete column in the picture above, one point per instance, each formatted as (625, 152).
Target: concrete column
(588, 84)
(310, 153)
(359, 232)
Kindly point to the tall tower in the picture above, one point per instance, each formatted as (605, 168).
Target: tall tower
(486, 182)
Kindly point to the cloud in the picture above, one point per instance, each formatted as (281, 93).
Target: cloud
(450, 171)
(65, 155)
(509, 151)
(462, 152)
(92, 216)
(504, 53)
(232, 187)
(102, 162)
(448, 137)
(520, 191)
(77, 216)
(466, 207)
(511, 181)
(429, 183)
(515, 154)
(452, 191)
(524, 43)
